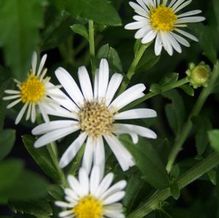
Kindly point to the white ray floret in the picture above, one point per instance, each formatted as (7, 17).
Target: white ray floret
(159, 20)
(95, 112)
(35, 93)
(93, 196)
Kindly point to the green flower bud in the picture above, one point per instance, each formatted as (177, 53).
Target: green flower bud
(198, 75)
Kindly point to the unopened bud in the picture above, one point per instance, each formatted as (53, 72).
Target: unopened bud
(198, 75)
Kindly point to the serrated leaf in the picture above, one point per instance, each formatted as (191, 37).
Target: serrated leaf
(111, 55)
(40, 208)
(7, 139)
(19, 23)
(42, 158)
(188, 89)
(148, 162)
(213, 136)
(100, 11)
(80, 29)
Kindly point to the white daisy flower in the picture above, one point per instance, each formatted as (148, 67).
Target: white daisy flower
(33, 93)
(95, 113)
(160, 20)
(92, 197)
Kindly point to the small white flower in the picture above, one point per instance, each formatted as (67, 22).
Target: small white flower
(33, 93)
(94, 113)
(161, 21)
(92, 197)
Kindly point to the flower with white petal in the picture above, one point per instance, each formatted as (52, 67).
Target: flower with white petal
(95, 113)
(92, 196)
(34, 93)
(160, 20)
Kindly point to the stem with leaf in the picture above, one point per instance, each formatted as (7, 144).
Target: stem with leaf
(180, 139)
(191, 175)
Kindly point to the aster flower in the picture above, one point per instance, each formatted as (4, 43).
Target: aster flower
(33, 93)
(94, 113)
(93, 196)
(160, 20)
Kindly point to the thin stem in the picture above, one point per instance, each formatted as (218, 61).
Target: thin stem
(134, 64)
(91, 44)
(191, 175)
(180, 139)
(165, 88)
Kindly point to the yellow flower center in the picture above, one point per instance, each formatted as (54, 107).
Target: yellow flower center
(88, 207)
(32, 90)
(163, 18)
(95, 119)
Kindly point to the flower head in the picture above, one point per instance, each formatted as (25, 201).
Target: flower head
(95, 113)
(92, 197)
(34, 93)
(198, 75)
(160, 20)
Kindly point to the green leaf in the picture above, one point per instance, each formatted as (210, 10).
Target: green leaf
(213, 136)
(7, 139)
(42, 158)
(169, 78)
(100, 11)
(19, 23)
(40, 208)
(111, 55)
(175, 111)
(80, 29)
(174, 189)
(148, 162)
(188, 89)
(155, 88)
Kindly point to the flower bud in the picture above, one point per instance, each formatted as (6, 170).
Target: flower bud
(198, 75)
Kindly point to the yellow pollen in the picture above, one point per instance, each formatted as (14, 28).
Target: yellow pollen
(95, 119)
(32, 90)
(163, 18)
(88, 207)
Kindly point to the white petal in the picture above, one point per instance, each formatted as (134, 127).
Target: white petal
(189, 13)
(122, 154)
(43, 113)
(72, 150)
(141, 32)
(70, 86)
(65, 213)
(188, 35)
(53, 136)
(130, 128)
(135, 114)
(113, 86)
(9, 91)
(94, 179)
(114, 197)
(178, 3)
(88, 154)
(28, 112)
(20, 114)
(158, 45)
(138, 9)
(33, 113)
(84, 181)
(149, 37)
(12, 104)
(180, 39)
(175, 43)
(128, 96)
(85, 83)
(104, 185)
(54, 125)
(134, 25)
(99, 155)
(42, 62)
(103, 79)
(34, 62)
(194, 19)
(75, 186)
(63, 204)
(114, 210)
(72, 194)
(166, 43)
(11, 97)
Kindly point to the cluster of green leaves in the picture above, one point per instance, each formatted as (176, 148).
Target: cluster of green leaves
(61, 29)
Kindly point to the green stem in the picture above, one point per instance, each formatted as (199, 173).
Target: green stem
(131, 71)
(191, 175)
(165, 88)
(180, 139)
(92, 45)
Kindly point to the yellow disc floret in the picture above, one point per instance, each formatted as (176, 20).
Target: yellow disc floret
(88, 207)
(163, 18)
(95, 119)
(32, 90)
